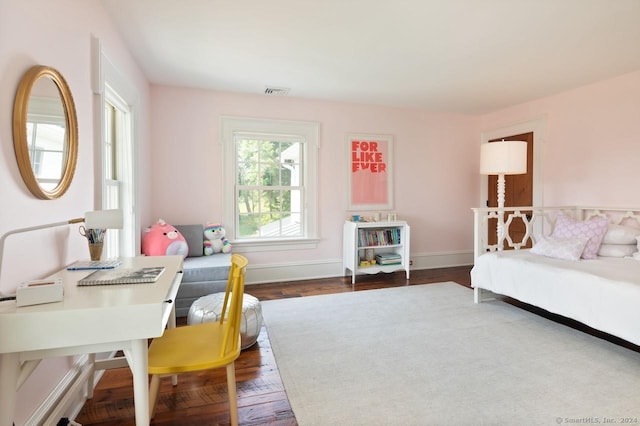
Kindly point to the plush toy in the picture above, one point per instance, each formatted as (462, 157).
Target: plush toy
(214, 239)
(162, 239)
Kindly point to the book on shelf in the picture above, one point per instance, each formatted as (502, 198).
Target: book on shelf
(379, 237)
(388, 259)
(387, 256)
(123, 276)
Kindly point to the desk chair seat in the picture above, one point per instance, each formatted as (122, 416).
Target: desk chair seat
(203, 346)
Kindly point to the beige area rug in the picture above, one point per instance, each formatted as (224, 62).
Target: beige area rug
(427, 355)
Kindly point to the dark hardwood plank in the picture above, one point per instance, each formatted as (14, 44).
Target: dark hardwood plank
(201, 398)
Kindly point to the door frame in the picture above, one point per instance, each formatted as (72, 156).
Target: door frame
(539, 128)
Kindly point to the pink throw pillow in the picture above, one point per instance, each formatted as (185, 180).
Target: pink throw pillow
(560, 248)
(594, 229)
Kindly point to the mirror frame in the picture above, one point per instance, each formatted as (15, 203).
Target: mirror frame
(20, 109)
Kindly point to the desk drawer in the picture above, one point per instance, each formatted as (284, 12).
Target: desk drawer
(171, 296)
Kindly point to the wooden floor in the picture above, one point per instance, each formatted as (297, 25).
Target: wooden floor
(201, 398)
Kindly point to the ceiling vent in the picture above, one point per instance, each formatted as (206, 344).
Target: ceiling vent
(276, 91)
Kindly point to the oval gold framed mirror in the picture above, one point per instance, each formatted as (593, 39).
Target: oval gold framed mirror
(45, 132)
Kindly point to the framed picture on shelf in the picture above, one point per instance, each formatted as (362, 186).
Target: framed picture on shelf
(370, 185)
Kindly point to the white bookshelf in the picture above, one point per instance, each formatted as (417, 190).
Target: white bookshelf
(383, 238)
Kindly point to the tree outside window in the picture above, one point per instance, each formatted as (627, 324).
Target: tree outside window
(269, 188)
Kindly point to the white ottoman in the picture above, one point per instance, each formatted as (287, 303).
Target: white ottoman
(208, 309)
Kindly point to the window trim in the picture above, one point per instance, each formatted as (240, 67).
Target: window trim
(309, 132)
(109, 84)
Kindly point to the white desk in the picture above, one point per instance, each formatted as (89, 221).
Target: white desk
(90, 320)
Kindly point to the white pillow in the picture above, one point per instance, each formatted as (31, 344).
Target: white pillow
(636, 255)
(620, 234)
(560, 248)
(617, 250)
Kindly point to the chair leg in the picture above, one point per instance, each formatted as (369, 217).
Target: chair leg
(233, 399)
(154, 387)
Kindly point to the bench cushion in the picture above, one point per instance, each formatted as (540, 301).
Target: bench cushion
(202, 275)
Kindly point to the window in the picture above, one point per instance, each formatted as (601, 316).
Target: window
(270, 182)
(118, 176)
(111, 186)
(270, 190)
(116, 179)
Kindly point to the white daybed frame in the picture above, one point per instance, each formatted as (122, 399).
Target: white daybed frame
(603, 293)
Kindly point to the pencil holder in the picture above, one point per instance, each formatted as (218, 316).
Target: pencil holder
(95, 238)
(95, 251)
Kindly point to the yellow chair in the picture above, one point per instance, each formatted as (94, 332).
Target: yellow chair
(203, 346)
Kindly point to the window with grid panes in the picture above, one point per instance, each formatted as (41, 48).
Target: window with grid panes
(271, 167)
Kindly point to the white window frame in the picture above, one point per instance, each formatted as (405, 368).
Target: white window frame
(117, 184)
(109, 84)
(309, 134)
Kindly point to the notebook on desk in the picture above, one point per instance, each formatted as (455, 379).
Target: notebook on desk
(123, 276)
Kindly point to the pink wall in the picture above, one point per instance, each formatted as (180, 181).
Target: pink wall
(40, 32)
(590, 156)
(58, 34)
(436, 157)
(592, 145)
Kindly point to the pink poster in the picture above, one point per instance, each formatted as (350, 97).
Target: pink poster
(370, 163)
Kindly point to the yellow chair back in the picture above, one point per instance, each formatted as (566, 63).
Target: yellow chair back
(235, 292)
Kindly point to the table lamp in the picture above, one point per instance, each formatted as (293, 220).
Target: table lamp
(101, 219)
(95, 227)
(503, 158)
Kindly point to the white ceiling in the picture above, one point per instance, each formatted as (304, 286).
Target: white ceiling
(465, 56)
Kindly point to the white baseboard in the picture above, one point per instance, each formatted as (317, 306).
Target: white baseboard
(442, 260)
(53, 407)
(281, 272)
(69, 396)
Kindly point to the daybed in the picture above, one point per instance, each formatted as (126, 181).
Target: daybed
(602, 292)
(203, 275)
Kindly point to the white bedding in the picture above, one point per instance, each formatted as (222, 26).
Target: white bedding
(603, 293)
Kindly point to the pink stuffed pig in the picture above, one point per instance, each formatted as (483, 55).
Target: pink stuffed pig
(162, 239)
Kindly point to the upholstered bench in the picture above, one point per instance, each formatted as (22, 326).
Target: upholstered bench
(202, 275)
(209, 309)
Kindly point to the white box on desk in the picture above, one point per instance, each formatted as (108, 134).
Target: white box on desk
(36, 292)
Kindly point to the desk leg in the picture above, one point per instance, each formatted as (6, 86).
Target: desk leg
(9, 371)
(137, 356)
(92, 375)
(172, 324)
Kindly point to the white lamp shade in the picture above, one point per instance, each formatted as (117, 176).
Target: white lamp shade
(504, 157)
(107, 219)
